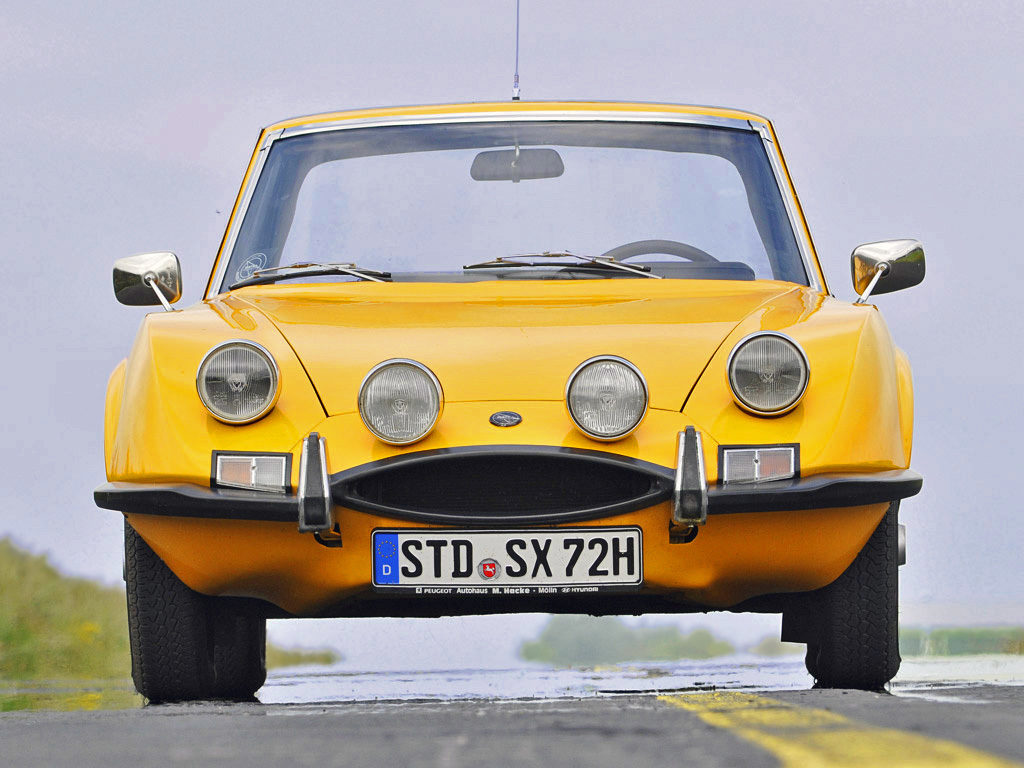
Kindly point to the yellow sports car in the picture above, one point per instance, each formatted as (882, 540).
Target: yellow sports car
(508, 357)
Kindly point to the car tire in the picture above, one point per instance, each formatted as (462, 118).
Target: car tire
(168, 628)
(811, 659)
(239, 653)
(856, 617)
(186, 646)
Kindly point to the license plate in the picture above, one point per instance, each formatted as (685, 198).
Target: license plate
(564, 560)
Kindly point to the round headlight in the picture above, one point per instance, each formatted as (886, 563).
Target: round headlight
(238, 382)
(607, 397)
(768, 373)
(400, 401)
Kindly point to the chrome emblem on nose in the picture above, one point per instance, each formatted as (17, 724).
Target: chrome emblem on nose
(505, 418)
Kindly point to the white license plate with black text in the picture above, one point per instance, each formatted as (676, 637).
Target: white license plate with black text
(563, 560)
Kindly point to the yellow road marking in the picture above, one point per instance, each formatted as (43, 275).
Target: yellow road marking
(802, 737)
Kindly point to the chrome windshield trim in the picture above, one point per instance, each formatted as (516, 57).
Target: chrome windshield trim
(217, 284)
(796, 222)
(271, 137)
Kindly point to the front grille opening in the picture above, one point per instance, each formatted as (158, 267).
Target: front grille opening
(502, 485)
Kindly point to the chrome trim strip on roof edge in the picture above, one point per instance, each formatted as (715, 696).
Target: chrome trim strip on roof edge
(553, 115)
(535, 105)
(517, 115)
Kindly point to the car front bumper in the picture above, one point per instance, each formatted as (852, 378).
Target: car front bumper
(755, 539)
(823, 491)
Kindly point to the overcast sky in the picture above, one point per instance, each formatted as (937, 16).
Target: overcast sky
(128, 127)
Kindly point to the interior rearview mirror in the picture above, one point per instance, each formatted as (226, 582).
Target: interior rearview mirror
(148, 278)
(517, 164)
(886, 266)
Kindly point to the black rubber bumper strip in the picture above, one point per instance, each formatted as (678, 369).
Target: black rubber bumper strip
(814, 492)
(185, 500)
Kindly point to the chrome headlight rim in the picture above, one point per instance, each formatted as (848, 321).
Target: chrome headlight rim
(615, 359)
(274, 370)
(422, 368)
(749, 408)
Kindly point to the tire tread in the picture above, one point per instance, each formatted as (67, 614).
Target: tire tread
(858, 644)
(167, 626)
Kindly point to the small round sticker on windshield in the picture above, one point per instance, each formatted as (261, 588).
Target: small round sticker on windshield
(505, 418)
(251, 266)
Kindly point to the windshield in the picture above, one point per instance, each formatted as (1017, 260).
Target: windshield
(423, 202)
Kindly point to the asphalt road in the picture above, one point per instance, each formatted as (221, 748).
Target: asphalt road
(637, 716)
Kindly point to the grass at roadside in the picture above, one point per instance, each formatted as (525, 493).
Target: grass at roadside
(584, 641)
(961, 641)
(568, 641)
(55, 626)
(278, 657)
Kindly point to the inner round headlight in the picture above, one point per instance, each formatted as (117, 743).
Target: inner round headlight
(607, 397)
(400, 401)
(238, 382)
(768, 373)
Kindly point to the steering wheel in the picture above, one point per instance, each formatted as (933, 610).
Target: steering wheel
(668, 247)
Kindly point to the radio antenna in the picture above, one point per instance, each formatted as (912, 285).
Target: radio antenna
(515, 79)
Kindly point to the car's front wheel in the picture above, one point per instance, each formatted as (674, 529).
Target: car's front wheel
(855, 618)
(239, 655)
(186, 646)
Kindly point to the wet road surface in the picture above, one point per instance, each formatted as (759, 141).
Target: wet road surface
(737, 711)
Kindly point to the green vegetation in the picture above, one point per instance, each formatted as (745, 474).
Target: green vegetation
(961, 641)
(70, 695)
(54, 626)
(278, 657)
(584, 641)
(769, 645)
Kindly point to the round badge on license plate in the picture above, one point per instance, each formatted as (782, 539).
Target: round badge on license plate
(488, 569)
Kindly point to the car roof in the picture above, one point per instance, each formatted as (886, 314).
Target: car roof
(509, 108)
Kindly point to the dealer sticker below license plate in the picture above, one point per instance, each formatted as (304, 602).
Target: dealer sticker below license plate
(531, 561)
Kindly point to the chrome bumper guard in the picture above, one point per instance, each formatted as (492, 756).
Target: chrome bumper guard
(316, 513)
(690, 493)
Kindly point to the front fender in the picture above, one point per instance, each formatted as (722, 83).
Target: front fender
(906, 386)
(112, 411)
(851, 417)
(162, 432)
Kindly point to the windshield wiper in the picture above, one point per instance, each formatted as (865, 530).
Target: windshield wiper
(311, 269)
(599, 262)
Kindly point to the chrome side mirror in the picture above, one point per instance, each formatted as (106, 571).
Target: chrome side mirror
(149, 278)
(884, 267)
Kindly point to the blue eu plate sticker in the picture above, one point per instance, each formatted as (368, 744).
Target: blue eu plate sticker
(385, 559)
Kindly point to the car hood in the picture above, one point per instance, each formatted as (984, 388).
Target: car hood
(505, 340)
